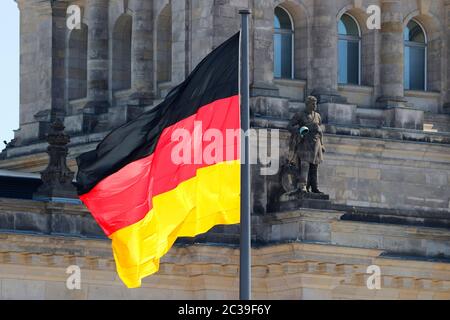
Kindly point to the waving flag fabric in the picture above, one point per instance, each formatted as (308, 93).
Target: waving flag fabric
(144, 198)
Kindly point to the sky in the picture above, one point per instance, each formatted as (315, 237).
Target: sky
(9, 66)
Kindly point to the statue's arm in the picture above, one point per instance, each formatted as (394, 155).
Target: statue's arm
(321, 133)
(295, 124)
(293, 128)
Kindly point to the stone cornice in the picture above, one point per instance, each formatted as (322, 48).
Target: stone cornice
(74, 223)
(33, 158)
(275, 268)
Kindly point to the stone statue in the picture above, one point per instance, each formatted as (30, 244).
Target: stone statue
(306, 146)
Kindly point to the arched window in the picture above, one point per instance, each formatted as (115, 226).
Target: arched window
(283, 43)
(164, 45)
(349, 48)
(415, 57)
(77, 63)
(121, 52)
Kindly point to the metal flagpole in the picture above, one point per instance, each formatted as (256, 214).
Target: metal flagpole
(245, 252)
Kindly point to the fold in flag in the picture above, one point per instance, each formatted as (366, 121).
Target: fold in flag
(138, 190)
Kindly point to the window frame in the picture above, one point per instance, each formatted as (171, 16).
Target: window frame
(351, 39)
(284, 32)
(407, 43)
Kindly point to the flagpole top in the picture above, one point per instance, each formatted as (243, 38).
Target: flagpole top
(245, 11)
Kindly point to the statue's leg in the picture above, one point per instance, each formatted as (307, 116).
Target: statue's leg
(310, 178)
(304, 169)
(314, 175)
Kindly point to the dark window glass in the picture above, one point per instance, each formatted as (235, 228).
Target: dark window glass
(414, 33)
(349, 51)
(347, 26)
(282, 20)
(414, 68)
(348, 62)
(415, 57)
(283, 44)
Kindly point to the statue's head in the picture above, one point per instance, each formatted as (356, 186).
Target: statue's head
(311, 104)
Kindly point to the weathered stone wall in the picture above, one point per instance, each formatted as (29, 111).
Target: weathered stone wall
(35, 85)
(387, 174)
(164, 44)
(388, 149)
(372, 172)
(34, 267)
(372, 168)
(160, 55)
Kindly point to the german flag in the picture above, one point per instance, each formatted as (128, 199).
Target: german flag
(139, 191)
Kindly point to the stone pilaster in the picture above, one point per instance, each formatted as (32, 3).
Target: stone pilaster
(58, 78)
(446, 108)
(324, 80)
(391, 55)
(142, 54)
(97, 87)
(398, 114)
(35, 46)
(261, 38)
(42, 72)
(202, 30)
(227, 20)
(180, 40)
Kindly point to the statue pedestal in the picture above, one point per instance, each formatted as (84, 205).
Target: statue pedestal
(57, 178)
(296, 199)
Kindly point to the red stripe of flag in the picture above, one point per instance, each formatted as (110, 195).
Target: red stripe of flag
(125, 197)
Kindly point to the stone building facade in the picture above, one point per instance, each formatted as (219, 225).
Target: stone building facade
(384, 96)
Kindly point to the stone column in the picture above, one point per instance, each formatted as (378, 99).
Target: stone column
(59, 31)
(398, 113)
(391, 55)
(324, 79)
(97, 86)
(446, 107)
(201, 30)
(142, 54)
(261, 49)
(181, 44)
(42, 72)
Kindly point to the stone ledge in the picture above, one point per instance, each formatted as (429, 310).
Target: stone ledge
(279, 271)
(383, 133)
(33, 157)
(392, 134)
(267, 122)
(422, 94)
(47, 218)
(41, 147)
(306, 225)
(411, 217)
(355, 88)
(327, 227)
